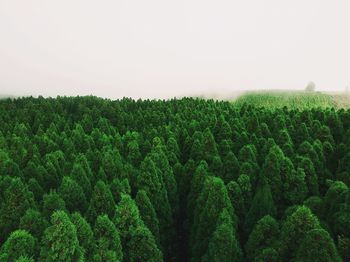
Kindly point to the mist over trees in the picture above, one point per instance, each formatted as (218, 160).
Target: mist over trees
(89, 179)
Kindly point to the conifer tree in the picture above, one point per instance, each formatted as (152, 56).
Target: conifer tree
(317, 245)
(261, 206)
(80, 176)
(142, 246)
(295, 228)
(16, 200)
(148, 214)
(51, 203)
(85, 235)
(119, 187)
(73, 195)
(272, 171)
(109, 247)
(101, 202)
(230, 167)
(264, 235)
(33, 222)
(212, 201)
(19, 243)
(60, 241)
(223, 245)
(136, 237)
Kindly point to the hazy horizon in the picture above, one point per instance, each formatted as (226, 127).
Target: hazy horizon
(164, 49)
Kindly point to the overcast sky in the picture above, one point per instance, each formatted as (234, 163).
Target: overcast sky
(161, 48)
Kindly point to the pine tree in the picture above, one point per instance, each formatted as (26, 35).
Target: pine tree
(212, 201)
(223, 245)
(34, 222)
(230, 167)
(136, 237)
(294, 186)
(148, 214)
(19, 243)
(85, 235)
(101, 202)
(264, 235)
(80, 176)
(60, 241)
(272, 171)
(73, 195)
(119, 187)
(16, 200)
(151, 180)
(317, 246)
(261, 206)
(197, 183)
(295, 228)
(51, 203)
(109, 247)
(142, 246)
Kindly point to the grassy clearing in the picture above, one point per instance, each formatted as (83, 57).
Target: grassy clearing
(290, 99)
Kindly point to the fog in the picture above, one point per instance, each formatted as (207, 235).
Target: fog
(162, 49)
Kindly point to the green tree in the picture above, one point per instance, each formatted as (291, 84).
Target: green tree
(148, 214)
(51, 203)
(60, 241)
(16, 200)
(73, 195)
(33, 222)
(136, 237)
(85, 235)
(101, 202)
(230, 167)
(19, 243)
(294, 186)
(223, 245)
(211, 202)
(80, 176)
(272, 171)
(261, 206)
(142, 246)
(119, 187)
(264, 235)
(109, 247)
(317, 245)
(294, 230)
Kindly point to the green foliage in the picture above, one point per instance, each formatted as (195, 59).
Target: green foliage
(85, 235)
(223, 245)
(148, 214)
(51, 203)
(261, 206)
(177, 180)
(317, 245)
(16, 200)
(19, 243)
(295, 228)
(138, 242)
(33, 222)
(73, 195)
(60, 241)
(108, 242)
(264, 236)
(101, 202)
(293, 100)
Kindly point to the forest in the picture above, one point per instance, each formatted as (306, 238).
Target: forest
(91, 179)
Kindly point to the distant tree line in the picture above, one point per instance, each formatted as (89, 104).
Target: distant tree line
(89, 179)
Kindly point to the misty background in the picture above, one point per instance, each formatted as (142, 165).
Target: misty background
(162, 49)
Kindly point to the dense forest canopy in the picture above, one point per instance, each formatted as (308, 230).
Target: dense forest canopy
(89, 179)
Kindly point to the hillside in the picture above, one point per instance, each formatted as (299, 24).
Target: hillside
(90, 179)
(290, 99)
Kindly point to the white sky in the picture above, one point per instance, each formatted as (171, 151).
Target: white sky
(161, 48)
